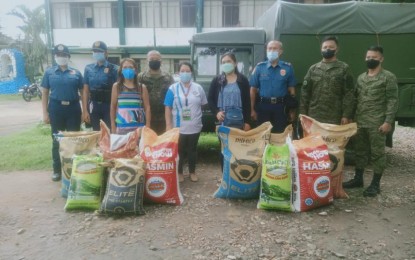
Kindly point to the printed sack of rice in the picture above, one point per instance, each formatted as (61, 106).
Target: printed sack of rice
(125, 188)
(310, 173)
(118, 146)
(280, 139)
(276, 185)
(86, 183)
(74, 143)
(161, 156)
(242, 154)
(336, 138)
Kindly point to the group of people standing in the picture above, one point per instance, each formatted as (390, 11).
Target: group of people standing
(126, 99)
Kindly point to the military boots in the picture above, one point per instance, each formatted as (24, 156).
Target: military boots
(56, 176)
(374, 187)
(356, 182)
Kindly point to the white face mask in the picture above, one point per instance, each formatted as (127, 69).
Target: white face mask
(61, 61)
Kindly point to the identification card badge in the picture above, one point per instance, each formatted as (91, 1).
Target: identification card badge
(186, 114)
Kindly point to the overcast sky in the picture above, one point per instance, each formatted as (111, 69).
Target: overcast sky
(9, 23)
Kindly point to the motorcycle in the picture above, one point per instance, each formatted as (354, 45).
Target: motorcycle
(29, 92)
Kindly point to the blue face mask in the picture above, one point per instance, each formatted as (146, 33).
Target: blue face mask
(272, 55)
(185, 77)
(128, 73)
(227, 67)
(98, 56)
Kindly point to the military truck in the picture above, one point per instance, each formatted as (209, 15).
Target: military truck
(301, 27)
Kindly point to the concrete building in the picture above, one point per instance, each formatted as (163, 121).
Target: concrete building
(132, 28)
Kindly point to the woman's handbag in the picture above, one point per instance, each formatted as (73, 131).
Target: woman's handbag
(234, 118)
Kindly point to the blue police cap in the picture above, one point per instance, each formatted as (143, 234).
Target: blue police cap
(61, 49)
(99, 46)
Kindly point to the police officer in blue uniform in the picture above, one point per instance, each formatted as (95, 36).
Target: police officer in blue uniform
(98, 80)
(60, 101)
(272, 87)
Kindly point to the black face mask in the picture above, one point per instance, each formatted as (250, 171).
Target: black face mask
(154, 64)
(372, 64)
(328, 54)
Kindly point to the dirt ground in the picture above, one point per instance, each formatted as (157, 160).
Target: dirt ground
(34, 225)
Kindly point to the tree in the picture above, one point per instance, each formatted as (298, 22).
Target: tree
(33, 47)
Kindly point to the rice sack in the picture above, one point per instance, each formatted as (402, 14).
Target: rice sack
(280, 139)
(242, 154)
(161, 156)
(74, 143)
(310, 173)
(118, 146)
(276, 185)
(125, 188)
(336, 138)
(86, 183)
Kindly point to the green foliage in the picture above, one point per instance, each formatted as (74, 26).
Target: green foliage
(28, 150)
(208, 147)
(33, 47)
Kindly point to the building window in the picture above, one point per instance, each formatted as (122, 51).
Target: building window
(132, 14)
(230, 13)
(114, 15)
(188, 13)
(81, 15)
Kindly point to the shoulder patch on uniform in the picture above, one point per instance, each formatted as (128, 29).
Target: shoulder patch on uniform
(305, 82)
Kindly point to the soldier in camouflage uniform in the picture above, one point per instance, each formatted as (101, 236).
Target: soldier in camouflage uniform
(377, 102)
(327, 91)
(157, 83)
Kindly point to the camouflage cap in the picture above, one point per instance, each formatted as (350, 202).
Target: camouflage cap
(61, 49)
(99, 46)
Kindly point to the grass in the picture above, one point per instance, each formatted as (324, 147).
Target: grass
(28, 150)
(31, 149)
(10, 97)
(208, 147)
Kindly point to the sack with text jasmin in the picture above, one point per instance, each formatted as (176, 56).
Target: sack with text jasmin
(161, 156)
(242, 154)
(74, 143)
(336, 138)
(125, 188)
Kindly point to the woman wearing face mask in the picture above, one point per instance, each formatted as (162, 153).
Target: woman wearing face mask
(60, 101)
(229, 90)
(183, 108)
(130, 105)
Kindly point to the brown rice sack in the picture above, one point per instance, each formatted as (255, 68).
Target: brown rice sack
(125, 188)
(280, 139)
(336, 138)
(161, 156)
(118, 146)
(74, 143)
(310, 173)
(242, 154)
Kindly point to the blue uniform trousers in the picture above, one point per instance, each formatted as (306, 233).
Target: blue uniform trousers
(62, 118)
(100, 110)
(274, 113)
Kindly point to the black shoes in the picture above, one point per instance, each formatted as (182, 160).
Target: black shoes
(56, 176)
(353, 183)
(372, 190)
(356, 182)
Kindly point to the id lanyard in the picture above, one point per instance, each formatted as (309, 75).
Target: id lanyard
(185, 94)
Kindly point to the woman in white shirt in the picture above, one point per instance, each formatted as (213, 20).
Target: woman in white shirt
(183, 108)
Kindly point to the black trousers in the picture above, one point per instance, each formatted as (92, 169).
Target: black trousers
(275, 114)
(188, 150)
(62, 118)
(100, 110)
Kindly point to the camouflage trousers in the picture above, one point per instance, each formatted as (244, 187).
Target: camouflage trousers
(369, 143)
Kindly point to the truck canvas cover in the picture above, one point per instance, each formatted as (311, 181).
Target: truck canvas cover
(340, 18)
